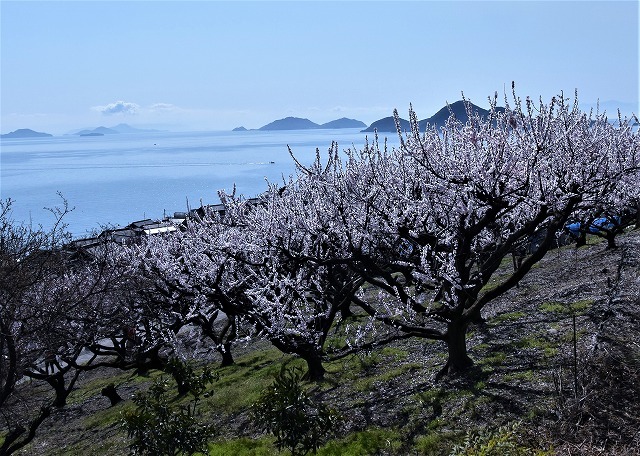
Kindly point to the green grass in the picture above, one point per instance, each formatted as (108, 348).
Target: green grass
(435, 443)
(241, 384)
(364, 443)
(527, 375)
(577, 307)
(548, 348)
(492, 284)
(508, 316)
(368, 442)
(108, 417)
(355, 368)
(369, 383)
(243, 447)
(89, 389)
(494, 359)
(105, 424)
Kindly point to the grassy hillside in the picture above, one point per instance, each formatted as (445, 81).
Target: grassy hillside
(522, 387)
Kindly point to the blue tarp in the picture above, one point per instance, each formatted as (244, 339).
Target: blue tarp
(597, 226)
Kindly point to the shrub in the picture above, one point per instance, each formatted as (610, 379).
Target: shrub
(160, 426)
(287, 411)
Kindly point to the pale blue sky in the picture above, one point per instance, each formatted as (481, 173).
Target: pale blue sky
(213, 65)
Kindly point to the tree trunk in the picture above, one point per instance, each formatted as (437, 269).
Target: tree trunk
(57, 383)
(227, 357)
(476, 317)
(456, 340)
(345, 311)
(110, 392)
(611, 241)
(310, 353)
(315, 369)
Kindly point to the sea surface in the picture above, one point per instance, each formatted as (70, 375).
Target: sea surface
(113, 180)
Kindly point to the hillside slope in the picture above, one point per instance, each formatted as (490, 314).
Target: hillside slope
(524, 372)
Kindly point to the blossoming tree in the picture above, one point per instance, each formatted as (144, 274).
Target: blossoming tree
(463, 198)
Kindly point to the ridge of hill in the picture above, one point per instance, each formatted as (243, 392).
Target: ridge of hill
(438, 120)
(290, 123)
(344, 123)
(298, 123)
(25, 133)
(120, 128)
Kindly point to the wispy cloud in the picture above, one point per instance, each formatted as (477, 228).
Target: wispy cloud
(119, 107)
(163, 107)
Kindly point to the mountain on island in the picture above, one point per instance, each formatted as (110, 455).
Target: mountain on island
(120, 128)
(458, 109)
(25, 133)
(344, 123)
(290, 123)
(297, 123)
(124, 128)
(101, 130)
(387, 124)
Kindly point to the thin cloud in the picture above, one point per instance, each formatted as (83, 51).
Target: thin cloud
(163, 107)
(119, 107)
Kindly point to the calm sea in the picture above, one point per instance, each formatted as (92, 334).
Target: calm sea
(113, 180)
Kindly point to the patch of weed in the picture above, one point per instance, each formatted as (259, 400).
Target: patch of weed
(367, 383)
(577, 308)
(364, 364)
(527, 375)
(395, 353)
(552, 307)
(243, 447)
(437, 423)
(548, 348)
(435, 443)
(494, 359)
(369, 442)
(502, 441)
(107, 417)
(509, 316)
(241, 384)
(84, 391)
(580, 307)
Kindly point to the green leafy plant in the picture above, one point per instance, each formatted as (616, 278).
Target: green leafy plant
(504, 441)
(287, 411)
(160, 425)
(186, 378)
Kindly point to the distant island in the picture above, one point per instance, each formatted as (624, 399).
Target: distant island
(25, 133)
(239, 129)
(438, 120)
(297, 123)
(97, 131)
(120, 128)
